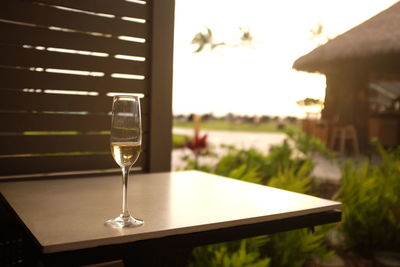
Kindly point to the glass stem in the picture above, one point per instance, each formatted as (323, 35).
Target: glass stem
(125, 175)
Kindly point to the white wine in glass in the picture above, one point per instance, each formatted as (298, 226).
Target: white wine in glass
(126, 141)
(125, 153)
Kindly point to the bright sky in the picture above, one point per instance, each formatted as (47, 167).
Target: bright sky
(258, 80)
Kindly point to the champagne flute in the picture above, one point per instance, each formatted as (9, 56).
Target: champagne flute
(126, 140)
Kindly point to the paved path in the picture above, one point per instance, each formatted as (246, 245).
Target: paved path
(261, 141)
(324, 169)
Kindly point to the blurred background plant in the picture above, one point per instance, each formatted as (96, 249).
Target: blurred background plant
(245, 252)
(312, 106)
(198, 146)
(369, 191)
(280, 168)
(308, 145)
(178, 141)
(206, 38)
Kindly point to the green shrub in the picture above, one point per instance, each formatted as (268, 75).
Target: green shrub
(245, 252)
(308, 144)
(178, 140)
(248, 161)
(294, 178)
(279, 168)
(259, 167)
(294, 248)
(371, 197)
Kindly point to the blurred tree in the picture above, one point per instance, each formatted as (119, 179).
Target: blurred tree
(205, 39)
(311, 105)
(318, 34)
(246, 38)
(310, 102)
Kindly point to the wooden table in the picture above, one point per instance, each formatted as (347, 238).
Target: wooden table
(181, 210)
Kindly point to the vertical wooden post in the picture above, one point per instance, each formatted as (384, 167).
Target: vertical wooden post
(161, 85)
(346, 101)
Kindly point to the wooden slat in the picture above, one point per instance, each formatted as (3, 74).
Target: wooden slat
(20, 122)
(26, 144)
(19, 79)
(41, 144)
(50, 164)
(117, 7)
(22, 111)
(49, 16)
(13, 100)
(53, 122)
(18, 56)
(19, 34)
(17, 100)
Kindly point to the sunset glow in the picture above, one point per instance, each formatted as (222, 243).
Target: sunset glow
(255, 79)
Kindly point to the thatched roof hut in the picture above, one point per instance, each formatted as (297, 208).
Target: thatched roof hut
(378, 36)
(368, 54)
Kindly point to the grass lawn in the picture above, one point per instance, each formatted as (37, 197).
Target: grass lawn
(222, 125)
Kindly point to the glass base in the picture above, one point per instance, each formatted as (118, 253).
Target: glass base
(124, 222)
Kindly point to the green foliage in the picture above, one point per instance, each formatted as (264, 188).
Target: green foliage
(245, 252)
(241, 164)
(308, 144)
(245, 173)
(178, 140)
(295, 180)
(253, 166)
(371, 197)
(279, 168)
(310, 102)
(192, 164)
(294, 248)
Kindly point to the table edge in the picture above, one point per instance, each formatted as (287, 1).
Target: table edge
(55, 248)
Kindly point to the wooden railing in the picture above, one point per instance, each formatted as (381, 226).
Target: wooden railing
(60, 64)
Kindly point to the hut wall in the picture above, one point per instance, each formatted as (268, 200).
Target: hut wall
(346, 101)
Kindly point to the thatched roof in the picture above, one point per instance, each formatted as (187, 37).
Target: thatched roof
(379, 35)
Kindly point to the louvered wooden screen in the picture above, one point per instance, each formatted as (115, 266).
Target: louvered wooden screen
(60, 63)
